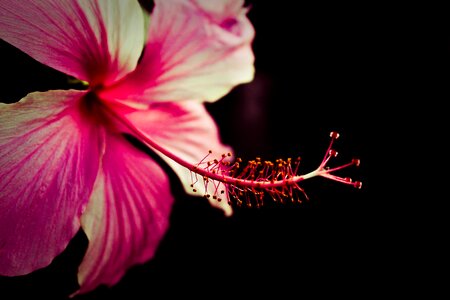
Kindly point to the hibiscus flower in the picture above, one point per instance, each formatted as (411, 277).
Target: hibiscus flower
(65, 163)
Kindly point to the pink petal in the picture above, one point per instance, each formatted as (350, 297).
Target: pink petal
(95, 41)
(127, 215)
(194, 52)
(48, 163)
(187, 130)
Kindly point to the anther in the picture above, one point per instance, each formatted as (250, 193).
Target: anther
(278, 179)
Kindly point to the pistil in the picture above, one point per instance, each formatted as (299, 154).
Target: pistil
(277, 179)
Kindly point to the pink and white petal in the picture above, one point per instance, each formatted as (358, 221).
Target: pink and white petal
(127, 215)
(186, 130)
(96, 41)
(49, 159)
(195, 51)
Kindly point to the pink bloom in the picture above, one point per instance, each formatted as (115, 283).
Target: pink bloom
(64, 162)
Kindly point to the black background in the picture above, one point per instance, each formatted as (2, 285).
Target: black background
(319, 68)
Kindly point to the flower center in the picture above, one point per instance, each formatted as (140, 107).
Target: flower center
(94, 109)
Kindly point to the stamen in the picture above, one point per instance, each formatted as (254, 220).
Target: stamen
(250, 184)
